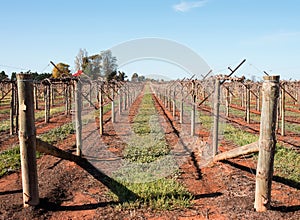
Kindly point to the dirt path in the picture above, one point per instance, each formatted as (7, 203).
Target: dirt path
(70, 191)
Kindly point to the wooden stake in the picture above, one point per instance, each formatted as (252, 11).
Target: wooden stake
(125, 98)
(227, 101)
(258, 100)
(193, 111)
(46, 148)
(27, 138)
(266, 143)
(70, 98)
(170, 100)
(90, 94)
(100, 110)
(78, 121)
(51, 95)
(282, 106)
(120, 101)
(12, 108)
(36, 103)
(128, 97)
(236, 152)
(16, 110)
(216, 117)
(243, 99)
(66, 92)
(65, 97)
(174, 104)
(248, 100)
(181, 106)
(113, 106)
(47, 103)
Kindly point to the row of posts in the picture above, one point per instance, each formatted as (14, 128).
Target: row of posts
(49, 101)
(27, 131)
(267, 138)
(246, 92)
(50, 95)
(168, 98)
(27, 137)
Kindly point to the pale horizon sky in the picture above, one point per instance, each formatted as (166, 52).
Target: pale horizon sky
(266, 33)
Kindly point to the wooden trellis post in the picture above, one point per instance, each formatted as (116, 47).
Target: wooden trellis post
(128, 97)
(258, 100)
(90, 94)
(193, 110)
(297, 96)
(266, 143)
(125, 98)
(230, 97)
(248, 103)
(282, 109)
(78, 121)
(68, 98)
(203, 92)
(36, 101)
(227, 101)
(243, 97)
(70, 91)
(113, 106)
(166, 98)
(27, 138)
(12, 108)
(120, 101)
(216, 117)
(100, 94)
(181, 105)
(170, 99)
(47, 102)
(16, 112)
(134, 94)
(52, 95)
(174, 103)
(2, 87)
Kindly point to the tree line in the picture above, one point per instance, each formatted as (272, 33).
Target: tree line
(101, 66)
(36, 76)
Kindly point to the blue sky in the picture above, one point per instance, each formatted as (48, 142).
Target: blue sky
(222, 32)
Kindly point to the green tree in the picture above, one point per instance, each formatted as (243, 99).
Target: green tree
(3, 76)
(13, 76)
(61, 70)
(80, 58)
(121, 76)
(141, 78)
(109, 65)
(91, 66)
(135, 77)
(111, 76)
(41, 76)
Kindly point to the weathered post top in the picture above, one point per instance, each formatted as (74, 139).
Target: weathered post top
(272, 78)
(24, 77)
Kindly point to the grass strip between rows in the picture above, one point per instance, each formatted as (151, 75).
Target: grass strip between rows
(147, 154)
(286, 161)
(10, 159)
